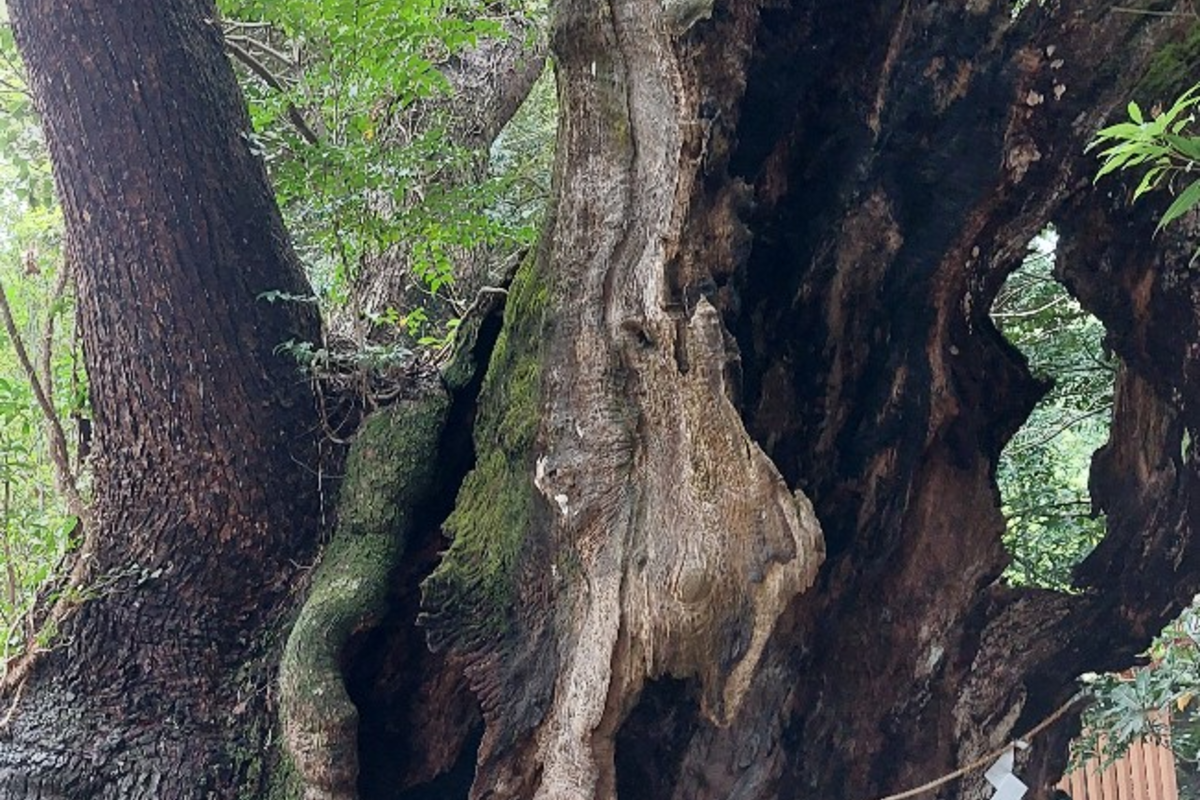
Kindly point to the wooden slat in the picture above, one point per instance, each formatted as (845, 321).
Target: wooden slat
(1137, 763)
(1108, 781)
(1146, 772)
(1123, 777)
(1093, 780)
(1154, 773)
(1078, 790)
(1166, 769)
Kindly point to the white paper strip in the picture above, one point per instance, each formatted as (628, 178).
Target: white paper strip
(1010, 788)
(1000, 775)
(1001, 769)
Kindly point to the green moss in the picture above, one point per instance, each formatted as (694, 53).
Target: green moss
(285, 782)
(389, 470)
(1173, 71)
(255, 751)
(269, 770)
(472, 591)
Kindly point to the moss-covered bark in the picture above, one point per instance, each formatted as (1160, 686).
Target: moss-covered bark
(389, 472)
(472, 590)
(1172, 72)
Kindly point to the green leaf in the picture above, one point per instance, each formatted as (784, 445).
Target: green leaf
(1135, 113)
(1124, 131)
(1186, 200)
(1150, 180)
(1187, 146)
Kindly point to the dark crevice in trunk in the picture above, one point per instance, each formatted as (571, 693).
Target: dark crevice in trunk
(454, 784)
(652, 742)
(419, 725)
(400, 688)
(872, 375)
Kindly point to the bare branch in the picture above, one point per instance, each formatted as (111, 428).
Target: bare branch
(1012, 451)
(1148, 13)
(258, 68)
(1033, 312)
(56, 295)
(10, 563)
(59, 452)
(248, 42)
(17, 669)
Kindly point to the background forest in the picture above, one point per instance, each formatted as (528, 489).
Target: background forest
(374, 159)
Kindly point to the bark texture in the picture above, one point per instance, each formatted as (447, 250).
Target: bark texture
(206, 491)
(730, 526)
(389, 473)
(777, 235)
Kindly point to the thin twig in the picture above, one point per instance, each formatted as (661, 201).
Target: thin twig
(1069, 423)
(10, 563)
(258, 68)
(983, 761)
(59, 452)
(12, 708)
(9, 86)
(1045, 508)
(231, 24)
(18, 669)
(247, 42)
(56, 295)
(1148, 13)
(1029, 312)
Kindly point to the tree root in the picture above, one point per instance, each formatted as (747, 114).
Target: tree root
(389, 472)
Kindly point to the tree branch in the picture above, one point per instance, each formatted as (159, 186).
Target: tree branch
(60, 288)
(247, 41)
(1029, 312)
(59, 452)
(1059, 429)
(17, 670)
(260, 69)
(1148, 13)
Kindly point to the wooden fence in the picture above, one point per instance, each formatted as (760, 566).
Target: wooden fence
(1147, 772)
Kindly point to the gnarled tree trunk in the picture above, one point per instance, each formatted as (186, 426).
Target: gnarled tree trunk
(731, 529)
(778, 232)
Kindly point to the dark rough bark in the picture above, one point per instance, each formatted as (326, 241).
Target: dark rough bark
(206, 492)
(804, 211)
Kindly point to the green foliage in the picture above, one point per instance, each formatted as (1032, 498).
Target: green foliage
(1155, 703)
(1173, 68)
(35, 530)
(1162, 147)
(1043, 471)
(523, 154)
(1043, 481)
(374, 161)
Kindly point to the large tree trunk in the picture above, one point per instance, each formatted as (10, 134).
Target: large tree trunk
(732, 527)
(778, 232)
(206, 498)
